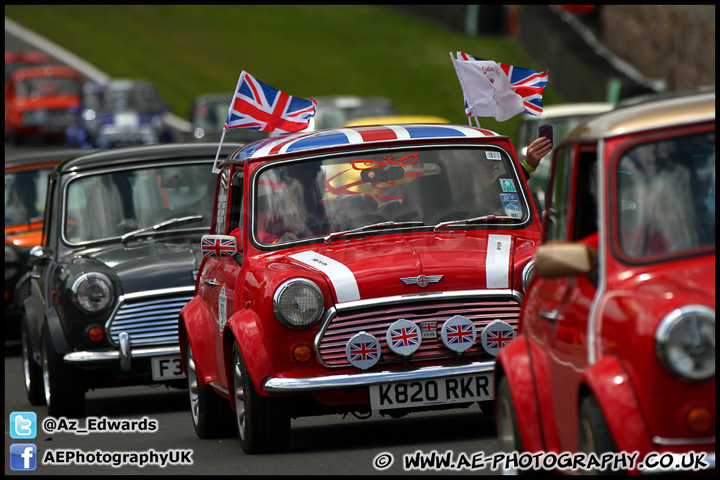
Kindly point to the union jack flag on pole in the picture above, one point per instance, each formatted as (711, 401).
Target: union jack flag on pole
(258, 106)
(261, 107)
(498, 90)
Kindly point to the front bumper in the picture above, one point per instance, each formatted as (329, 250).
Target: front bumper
(124, 355)
(327, 382)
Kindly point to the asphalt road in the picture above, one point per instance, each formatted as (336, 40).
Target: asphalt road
(329, 445)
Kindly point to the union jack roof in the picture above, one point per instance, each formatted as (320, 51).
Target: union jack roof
(303, 141)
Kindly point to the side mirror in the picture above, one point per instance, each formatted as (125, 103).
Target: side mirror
(218, 245)
(560, 259)
(39, 256)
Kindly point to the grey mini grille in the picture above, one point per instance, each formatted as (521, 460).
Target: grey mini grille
(152, 321)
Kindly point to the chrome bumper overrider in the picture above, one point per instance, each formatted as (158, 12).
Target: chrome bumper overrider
(364, 379)
(122, 355)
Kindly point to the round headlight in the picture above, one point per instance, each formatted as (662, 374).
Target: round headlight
(685, 342)
(92, 293)
(298, 303)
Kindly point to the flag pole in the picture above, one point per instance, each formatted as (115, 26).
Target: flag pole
(217, 155)
(462, 85)
(225, 127)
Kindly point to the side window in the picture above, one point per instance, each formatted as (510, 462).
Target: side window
(222, 202)
(556, 224)
(586, 206)
(236, 202)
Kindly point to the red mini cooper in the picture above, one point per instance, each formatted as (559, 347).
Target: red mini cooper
(358, 270)
(38, 101)
(616, 351)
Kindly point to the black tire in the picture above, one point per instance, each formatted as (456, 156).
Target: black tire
(63, 384)
(32, 372)
(211, 414)
(507, 428)
(263, 422)
(594, 435)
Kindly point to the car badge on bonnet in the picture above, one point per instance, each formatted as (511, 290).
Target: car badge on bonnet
(422, 281)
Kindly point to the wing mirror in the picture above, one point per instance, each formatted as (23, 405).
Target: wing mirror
(562, 259)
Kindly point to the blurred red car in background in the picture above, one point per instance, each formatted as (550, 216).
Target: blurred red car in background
(38, 101)
(17, 60)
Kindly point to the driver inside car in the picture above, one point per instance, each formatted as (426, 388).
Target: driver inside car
(300, 211)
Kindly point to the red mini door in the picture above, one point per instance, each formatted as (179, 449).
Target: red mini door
(562, 306)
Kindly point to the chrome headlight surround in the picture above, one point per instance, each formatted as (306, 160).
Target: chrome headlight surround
(92, 293)
(298, 303)
(685, 342)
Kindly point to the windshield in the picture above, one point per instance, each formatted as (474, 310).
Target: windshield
(25, 195)
(39, 87)
(114, 203)
(142, 100)
(422, 186)
(665, 202)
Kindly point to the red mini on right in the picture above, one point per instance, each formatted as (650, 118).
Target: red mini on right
(616, 344)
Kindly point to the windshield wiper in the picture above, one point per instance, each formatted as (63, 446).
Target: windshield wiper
(157, 226)
(374, 226)
(468, 221)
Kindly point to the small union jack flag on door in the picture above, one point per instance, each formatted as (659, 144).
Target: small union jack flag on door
(218, 246)
(261, 107)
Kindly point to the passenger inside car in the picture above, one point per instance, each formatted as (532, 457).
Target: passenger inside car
(20, 204)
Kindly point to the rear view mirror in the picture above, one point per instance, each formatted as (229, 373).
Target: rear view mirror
(387, 174)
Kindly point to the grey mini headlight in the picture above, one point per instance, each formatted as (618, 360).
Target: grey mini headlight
(298, 303)
(685, 342)
(92, 293)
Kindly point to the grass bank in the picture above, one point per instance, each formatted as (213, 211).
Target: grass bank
(304, 50)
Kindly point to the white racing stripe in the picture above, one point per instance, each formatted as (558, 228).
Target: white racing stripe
(497, 262)
(341, 277)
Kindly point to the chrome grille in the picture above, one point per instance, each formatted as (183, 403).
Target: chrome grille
(376, 321)
(149, 321)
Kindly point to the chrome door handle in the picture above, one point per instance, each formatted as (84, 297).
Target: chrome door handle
(212, 283)
(553, 315)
